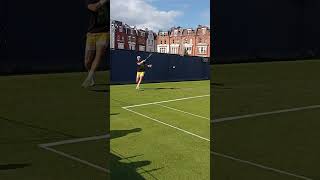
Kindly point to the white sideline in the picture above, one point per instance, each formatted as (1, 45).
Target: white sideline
(71, 141)
(264, 113)
(158, 121)
(221, 120)
(48, 146)
(159, 102)
(260, 166)
(183, 112)
(76, 159)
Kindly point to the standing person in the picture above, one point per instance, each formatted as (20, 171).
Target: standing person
(141, 68)
(98, 36)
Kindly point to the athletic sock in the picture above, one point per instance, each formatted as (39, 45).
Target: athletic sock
(90, 74)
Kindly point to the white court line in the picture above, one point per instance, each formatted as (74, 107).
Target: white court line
(220, 120)
(264, 113)
(223, 155)
(48, 146)
(159, 102)
(260, 166)
(183, 112)
(158, 121)
(71, 141)
(76, 159)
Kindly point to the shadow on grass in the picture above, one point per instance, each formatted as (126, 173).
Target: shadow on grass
(35, 127)
(159, 88)
(219, 86)
(128, 167)
(100, 90)
(4, 167)
(120, 133)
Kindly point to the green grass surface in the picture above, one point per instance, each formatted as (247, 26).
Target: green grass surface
(151, 150)
(287, 141)
(36, 109)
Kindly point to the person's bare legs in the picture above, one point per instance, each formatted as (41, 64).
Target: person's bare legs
(100, 53)
(89, 57)
(94, 64)
(139, 82)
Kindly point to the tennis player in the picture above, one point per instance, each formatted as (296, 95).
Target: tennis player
(141, 68)
(98, 36)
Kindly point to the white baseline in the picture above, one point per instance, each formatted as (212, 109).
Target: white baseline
(264, 113)
(172, 100)
(48, 146)
(260, 166)
(221, 120)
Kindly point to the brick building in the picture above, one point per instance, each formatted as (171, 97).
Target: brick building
(150, 41)
(142, 40)
(202, 42)
(122, 36)
(163, 41)
(192, 42)
(185, 41)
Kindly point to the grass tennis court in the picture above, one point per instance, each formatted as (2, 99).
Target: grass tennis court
(40, 109)
(278, 138)
(161, 131)
(265, 126)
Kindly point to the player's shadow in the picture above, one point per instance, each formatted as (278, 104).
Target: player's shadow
(35, 127)
(127, 168)
(114, 114)
(4, 167)
(120, 133)
(100, 87)
(105, 90)
(219, 86)
(159, 88)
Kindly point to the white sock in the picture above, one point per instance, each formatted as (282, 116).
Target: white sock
(90, 75)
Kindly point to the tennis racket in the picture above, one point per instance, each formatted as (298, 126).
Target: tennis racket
(148, 56)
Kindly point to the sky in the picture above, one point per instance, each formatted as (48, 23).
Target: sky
(161, 14)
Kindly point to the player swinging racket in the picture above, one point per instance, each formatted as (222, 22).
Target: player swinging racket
(97, 38)
(141, 68)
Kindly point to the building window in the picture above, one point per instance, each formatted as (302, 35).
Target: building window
(202, 50)
(132, 47)
(162, 50)
(118, 37)
(129, 38)
(120, 46)
(120, 29)
(142, 48)
(172, 41)
(160, 42)
(165, 42)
